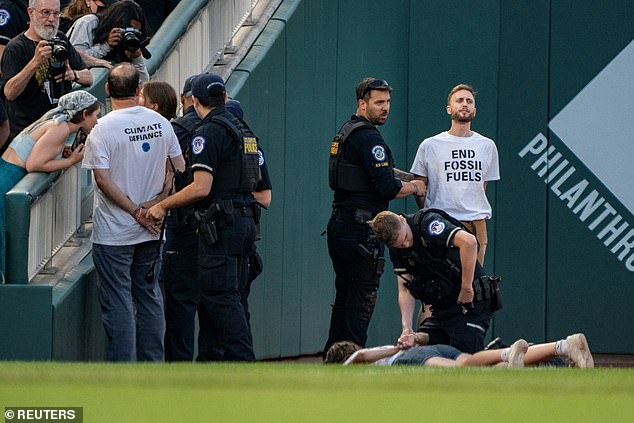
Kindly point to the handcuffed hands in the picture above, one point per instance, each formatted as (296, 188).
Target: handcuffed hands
(141, 216)
(406, 340)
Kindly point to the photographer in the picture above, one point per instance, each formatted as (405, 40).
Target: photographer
(119, 34)
(39, 66)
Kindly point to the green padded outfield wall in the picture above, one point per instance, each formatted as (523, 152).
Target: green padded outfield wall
(554, 77)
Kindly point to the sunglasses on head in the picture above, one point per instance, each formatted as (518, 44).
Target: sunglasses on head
(375, 85)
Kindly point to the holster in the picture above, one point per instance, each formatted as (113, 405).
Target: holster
(372, 252)
(487, 289)
(207, 227)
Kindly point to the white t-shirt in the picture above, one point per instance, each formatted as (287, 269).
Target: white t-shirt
(456, 168)
(134, 144)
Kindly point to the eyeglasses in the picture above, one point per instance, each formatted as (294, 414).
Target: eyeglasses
(47, 13)
(375, 85)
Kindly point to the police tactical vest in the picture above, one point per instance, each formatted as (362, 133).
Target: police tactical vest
(239, 175)
(189, 125)
(436, 278)
(342, 174)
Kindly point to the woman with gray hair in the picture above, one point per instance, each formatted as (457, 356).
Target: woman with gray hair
(40, 146)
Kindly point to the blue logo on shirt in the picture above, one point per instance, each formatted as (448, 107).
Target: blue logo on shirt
(436, 227)
(146, 146)
(5, 17)
(198, 144)
(379, 153)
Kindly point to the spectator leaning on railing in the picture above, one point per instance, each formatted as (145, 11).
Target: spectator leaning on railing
(39, 66)
(120, 34)
(38, 146)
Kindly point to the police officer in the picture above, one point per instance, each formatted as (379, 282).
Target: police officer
(179, 274)
(361, 173)
(225, 173)
(435, 258)
(262, 195)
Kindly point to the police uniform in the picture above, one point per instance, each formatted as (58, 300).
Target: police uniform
(255, 264)
(361, 175)
(226, 233)
(432, 265)
(179, 274)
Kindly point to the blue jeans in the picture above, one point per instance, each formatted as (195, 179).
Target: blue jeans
(418, 356)
(131, 307)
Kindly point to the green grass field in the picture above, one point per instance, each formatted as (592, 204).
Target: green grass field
(273, 392)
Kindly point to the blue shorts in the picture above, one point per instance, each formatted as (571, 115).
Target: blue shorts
(418, 356)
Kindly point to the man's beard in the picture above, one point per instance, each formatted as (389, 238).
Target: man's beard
(462, 119)
(377, 120)
(43, 32)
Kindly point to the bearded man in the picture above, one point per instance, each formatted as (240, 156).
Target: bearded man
(456, 165)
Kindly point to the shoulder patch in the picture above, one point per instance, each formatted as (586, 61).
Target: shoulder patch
(436, 227)
(260, 158)
(5, 17)
(378, 152)
(198, 144)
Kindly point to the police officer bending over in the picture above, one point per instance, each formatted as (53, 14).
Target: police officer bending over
(362, 175)
(225, 173)
(435, 260)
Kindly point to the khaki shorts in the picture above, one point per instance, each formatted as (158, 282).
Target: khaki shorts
(479, 229)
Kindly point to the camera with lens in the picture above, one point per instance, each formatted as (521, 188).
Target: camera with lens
(131, 39)
(60, 50)
(60, 55)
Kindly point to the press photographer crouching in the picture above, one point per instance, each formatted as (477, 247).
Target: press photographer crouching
(39, 66)
(118, 34)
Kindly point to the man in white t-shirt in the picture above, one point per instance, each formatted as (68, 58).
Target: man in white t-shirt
(456, 166)
(128, 151)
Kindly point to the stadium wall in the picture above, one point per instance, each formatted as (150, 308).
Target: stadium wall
(566, 267)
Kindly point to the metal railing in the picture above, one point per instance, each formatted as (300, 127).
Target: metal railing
(203, 42)
(55, 217)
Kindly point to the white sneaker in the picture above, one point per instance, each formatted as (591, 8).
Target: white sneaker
(579, 352)
(516, 354)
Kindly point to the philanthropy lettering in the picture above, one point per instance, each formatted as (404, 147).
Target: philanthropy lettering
(144, 133)
(463, 167)
(582, 199)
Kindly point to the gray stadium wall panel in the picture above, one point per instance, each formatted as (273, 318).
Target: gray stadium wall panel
(527, 62)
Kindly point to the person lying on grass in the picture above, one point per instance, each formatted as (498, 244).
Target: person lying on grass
(574, 348)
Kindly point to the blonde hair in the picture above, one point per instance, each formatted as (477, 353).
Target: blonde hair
(458, 88)
(386, 226)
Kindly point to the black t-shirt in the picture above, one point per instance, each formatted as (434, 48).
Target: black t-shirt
(39, 95)
(214, 149)
(13, 19)
(365, 147)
